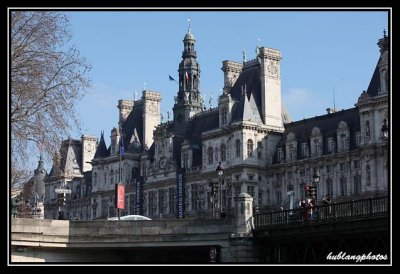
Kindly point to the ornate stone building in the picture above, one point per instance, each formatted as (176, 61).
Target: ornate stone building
(167, 167)
(71, 170)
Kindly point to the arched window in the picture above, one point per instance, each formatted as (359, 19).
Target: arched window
(224, 115)
(210, 155)
(329, 187)
(237, 145)
(343, 186)
(291, 152)
(343, 141)
(368, 173)
(357, 184)
(367, 129)
(223, 152)
(249, 147)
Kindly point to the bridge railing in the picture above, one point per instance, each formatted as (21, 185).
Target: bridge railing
(323, 213)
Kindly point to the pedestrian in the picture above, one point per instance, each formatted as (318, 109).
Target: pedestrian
(303, 209)
(313, 209)
(326, 201)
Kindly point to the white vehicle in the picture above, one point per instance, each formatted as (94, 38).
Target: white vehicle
(130, 218)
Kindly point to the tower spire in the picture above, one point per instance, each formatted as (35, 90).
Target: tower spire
(188, 100)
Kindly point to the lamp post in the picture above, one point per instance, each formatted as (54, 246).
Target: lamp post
(315, 182)
(220, 172)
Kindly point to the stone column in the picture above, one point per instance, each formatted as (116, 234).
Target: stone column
(244, 214)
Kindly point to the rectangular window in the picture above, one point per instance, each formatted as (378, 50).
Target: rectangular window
(186, 160)
(357, 185)
(302, 173)
(356, 163)
(237, 191)
(280, 154)
(342, 167)
(304, 150)
(161, 207)
(329, 187)
(250, 191)
(194, 196)
(330, 145)
(343, 186)
(237, 144)
(342, 142)
(278, 197)
(172, 199)
(328, 169)
(358, 139)
(132, 205)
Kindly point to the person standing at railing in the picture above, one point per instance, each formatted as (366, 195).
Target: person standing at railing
(326, 201)
(304, 209)
(313, 209)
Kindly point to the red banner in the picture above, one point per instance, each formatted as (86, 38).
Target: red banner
(120, 196)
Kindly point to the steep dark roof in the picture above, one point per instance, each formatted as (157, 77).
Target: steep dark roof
(375, 84)
(101, 151)
(250, 79)
(134, 121)
(328, 124)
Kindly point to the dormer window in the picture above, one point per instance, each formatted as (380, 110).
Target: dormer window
(304, 150)
(280, 154)
(224, 116)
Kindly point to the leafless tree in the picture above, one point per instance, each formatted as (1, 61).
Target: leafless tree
(18, 178)
(48, 77)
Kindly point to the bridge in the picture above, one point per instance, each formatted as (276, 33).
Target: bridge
(292, 236)
(309, 235)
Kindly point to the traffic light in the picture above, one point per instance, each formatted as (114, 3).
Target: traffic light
(313, 191)
(307, 190)
(310, 191)
(214, 188)
(61, 199)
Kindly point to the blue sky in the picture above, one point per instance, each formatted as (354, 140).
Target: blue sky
(322, 52)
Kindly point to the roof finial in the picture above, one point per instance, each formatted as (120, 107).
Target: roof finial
(189, 29)
(244, 54)
(384, 32)
(258, 46)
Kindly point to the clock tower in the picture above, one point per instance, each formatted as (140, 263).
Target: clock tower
(188, 101)
(151, 115)
(89, 146)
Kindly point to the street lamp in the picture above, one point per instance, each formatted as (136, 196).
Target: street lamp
(220, 172)
(385, 130)
(315, 182)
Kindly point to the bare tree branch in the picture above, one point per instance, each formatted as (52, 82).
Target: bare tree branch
(48, 78)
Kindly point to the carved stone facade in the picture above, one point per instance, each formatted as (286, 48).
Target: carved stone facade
(261, 152)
